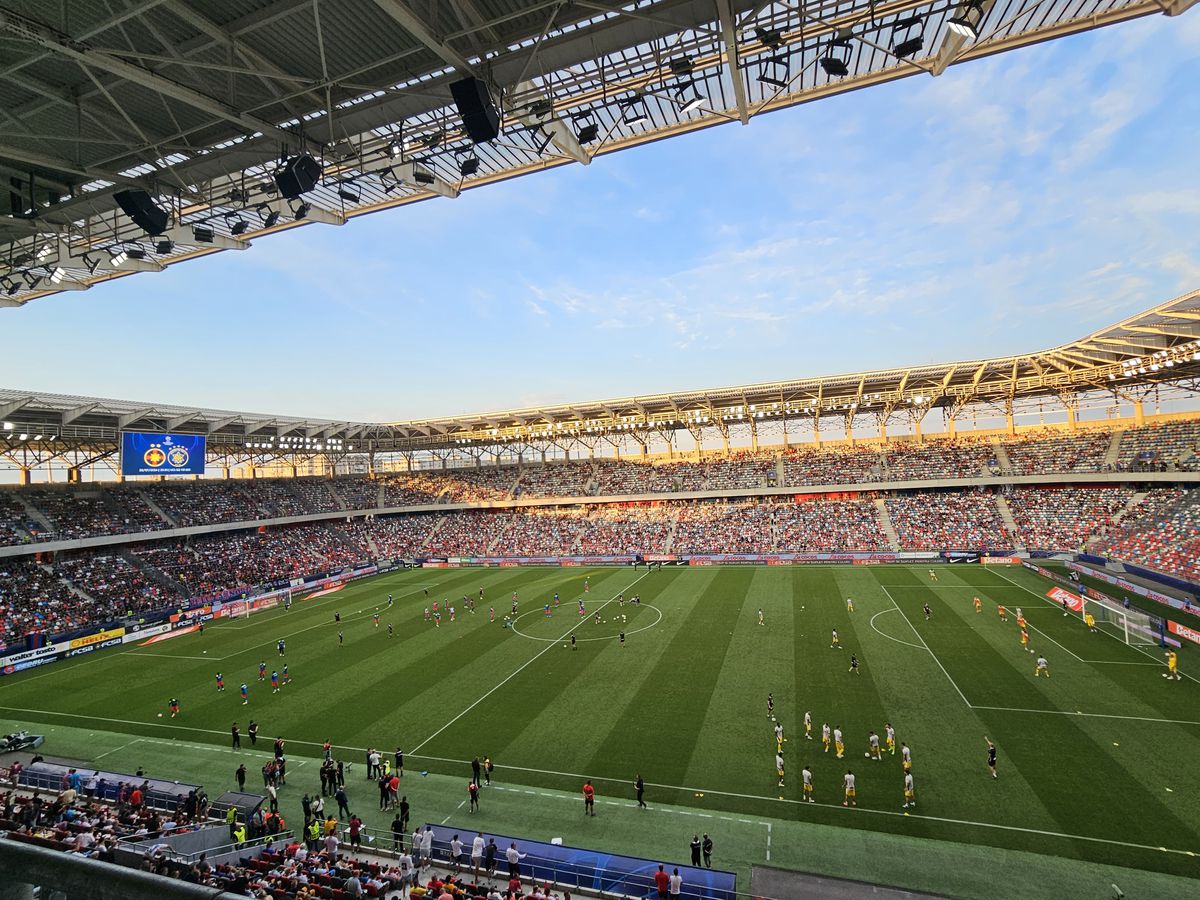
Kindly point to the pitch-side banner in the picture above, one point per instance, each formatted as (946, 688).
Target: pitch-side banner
(1188, 634)
(1073, 601)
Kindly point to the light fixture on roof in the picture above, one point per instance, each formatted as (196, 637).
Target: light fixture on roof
(164, 247)
(91, 263)
(633, 110)
(769, 37)
(10, 286)
(349, 195)
(239, 227)
(420, 176)
(136, 252)
(468, 165)
(966, 23)
(907, 39)
(836, 61)
(394, 149)
(774, 71)
(586, 128)
(117, 258)
(299, 212)
(203, 234)
(687, 98)
(269, 216)
(57, 275)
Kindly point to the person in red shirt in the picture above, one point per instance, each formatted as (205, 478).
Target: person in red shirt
(662, 881)
(135, 798)
(355, 831)
(589, 799)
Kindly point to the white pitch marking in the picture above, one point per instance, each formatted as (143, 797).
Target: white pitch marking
(926, 646)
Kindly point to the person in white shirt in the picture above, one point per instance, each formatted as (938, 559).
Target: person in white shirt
(456, 846)
(427, 845)
(676, 884)
(848, 781)
(514, 857)
(477, 853)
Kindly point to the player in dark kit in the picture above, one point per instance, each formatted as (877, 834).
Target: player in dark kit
(991, 757)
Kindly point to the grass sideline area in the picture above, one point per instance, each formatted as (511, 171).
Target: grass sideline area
(1095, 784)
(1137, 601)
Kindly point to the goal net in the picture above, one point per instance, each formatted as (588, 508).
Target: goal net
(1127, 625)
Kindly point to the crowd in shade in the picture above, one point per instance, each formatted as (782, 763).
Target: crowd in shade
(1065, 518)
(92, 510)
(815, 527)
(941, 519)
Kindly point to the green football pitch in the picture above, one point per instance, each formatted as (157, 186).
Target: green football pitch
(1098, 777)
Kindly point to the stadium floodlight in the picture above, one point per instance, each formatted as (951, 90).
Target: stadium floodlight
(22, 436)
(163, 247)
(299, 212)
(117, 258)
(349, 195)
(836, 61)
(967, 22)
(58, 275)
(769, 37)
(92, 264)
(394, 149)
(906, 39)
(203, 234)
(136, 252)
(468, 166)
(775, 71)
(687, 98)
(423, 177)
(586, 128)
(8, 426)
(44, 251)
(633, 111)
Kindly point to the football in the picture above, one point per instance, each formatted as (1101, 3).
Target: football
(160, 715)
(867, 755)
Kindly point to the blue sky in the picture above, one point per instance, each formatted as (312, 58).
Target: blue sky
(1009, 205)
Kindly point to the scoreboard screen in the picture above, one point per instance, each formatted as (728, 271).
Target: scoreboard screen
(161, 454)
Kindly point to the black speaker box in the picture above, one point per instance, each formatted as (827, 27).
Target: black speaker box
(297, 176)
(479, 114)
(141, 208)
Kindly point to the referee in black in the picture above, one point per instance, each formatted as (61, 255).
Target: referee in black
(991, 756)
(640, 787)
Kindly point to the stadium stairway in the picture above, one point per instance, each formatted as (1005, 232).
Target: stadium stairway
(33, 512)
(158, 510)
(886, 526)
(491, 548)
(71, 586)
(1001, 452)
(1006, 517)
(1097, 540)
(337, 498)
(1113, 453)
(669, 543)
(155, 574)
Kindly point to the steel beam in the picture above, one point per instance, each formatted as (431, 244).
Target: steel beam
(410, 22)
(729, 37)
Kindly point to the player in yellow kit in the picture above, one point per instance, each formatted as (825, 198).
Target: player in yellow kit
(910, 795)
(825, 736)
(808, 725)
(848, 781)
(1090, 621)
(837, 743)
(1042, 668)
(806, 776)
(889, 737)
(978, 605)
(1173, 666)
(905, 757)
(1025, 640)
(849, 605)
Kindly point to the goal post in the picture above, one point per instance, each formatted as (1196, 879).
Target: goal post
(1128, 625)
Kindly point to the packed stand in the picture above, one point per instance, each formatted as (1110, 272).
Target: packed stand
(278, 497)
(202, 503)
(615, 478)
(475, 485)
(394, 537)
(720, 527)
(120, 586)
(965, 520)
(1064, 518)
(741, 469)
(358, 492)
(1171, 447)
(90, 511)
(1162, 533)
(467, 533)
(34, 599)
(938, 459)
(819, 526)
(620, 529)
(540, 532)
(16, 526)
(1052, 453)
(844, 465)
(556, 479)
(416, 489)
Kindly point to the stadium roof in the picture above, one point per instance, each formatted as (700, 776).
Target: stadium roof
(196, 102)
(1159, 346)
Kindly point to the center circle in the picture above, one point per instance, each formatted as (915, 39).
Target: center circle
(583, 623)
